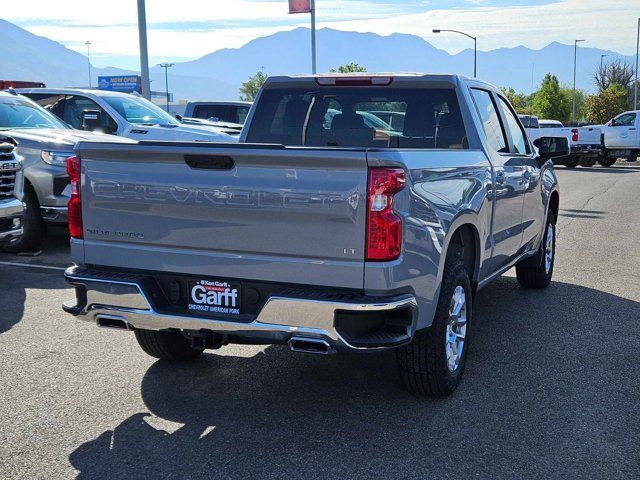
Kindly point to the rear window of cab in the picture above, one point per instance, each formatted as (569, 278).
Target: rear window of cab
(381, 117)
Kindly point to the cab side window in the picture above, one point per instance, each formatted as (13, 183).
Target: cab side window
(75, 105)
(625, 120)
(514, 130)
(490, 120)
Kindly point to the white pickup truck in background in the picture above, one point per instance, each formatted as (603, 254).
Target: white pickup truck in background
(621, 138)
(585, 142)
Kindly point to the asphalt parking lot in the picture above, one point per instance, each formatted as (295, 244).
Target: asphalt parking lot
(551, 389)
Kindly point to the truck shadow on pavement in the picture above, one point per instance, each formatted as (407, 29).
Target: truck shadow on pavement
(14, 283)
(551, 380)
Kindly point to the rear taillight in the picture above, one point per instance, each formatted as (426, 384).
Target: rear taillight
(384, 227)
(574, 135)
(74, 218)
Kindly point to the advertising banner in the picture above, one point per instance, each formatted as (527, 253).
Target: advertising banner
(299, 6)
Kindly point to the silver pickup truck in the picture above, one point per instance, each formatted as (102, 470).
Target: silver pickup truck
(319, 231)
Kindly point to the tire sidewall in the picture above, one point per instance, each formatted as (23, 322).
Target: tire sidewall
(458, 276)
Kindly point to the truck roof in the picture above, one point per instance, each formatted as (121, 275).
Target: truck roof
(377, 78)
(71, 91)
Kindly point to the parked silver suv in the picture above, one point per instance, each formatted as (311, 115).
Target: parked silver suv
(11, 184)
(43, 142)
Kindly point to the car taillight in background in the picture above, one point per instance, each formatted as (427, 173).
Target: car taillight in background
(574, 135)
(384, 227)
(74, 216)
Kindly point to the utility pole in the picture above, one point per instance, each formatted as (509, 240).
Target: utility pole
(575, 64)
(166, 79)
(144, 55)
(88, 44)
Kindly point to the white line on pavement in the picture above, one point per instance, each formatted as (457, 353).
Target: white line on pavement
(31, 265)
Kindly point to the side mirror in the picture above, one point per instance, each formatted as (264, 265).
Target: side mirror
(552, 147)
(178, 117)
(91, 120)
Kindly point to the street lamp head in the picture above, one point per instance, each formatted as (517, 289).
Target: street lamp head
(580, 41)
(435, 30)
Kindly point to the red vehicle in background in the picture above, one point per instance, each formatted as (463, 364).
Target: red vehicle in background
(20, 84)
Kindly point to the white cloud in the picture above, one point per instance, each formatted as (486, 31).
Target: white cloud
(209, 25)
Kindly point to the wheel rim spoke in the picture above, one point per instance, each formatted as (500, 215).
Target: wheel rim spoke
(456, 328)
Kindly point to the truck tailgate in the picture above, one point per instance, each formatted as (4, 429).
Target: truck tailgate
(270, 213)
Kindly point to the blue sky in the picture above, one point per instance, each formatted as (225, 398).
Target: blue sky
(191, 28)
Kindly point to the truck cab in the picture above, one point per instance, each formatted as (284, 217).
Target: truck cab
(622, 135)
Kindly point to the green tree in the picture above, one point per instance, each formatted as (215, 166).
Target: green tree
(552, 101)
(520, 101)
(349, 68)
(605, 105)
(251, 87)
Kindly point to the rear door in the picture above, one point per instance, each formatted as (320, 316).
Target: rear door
(294, 215)
(520, 152)
(510, 184)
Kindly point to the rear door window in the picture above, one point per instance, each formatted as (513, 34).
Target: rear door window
(382, 117)
(490, 120)
(514, 130)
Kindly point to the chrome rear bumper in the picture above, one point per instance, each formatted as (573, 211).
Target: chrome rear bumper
(121, 297)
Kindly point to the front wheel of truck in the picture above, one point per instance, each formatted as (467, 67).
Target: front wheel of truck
(433, 363)
(166, 345)
(33, 227)
(536, 271)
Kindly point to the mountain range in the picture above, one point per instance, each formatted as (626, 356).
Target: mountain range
(218, 75)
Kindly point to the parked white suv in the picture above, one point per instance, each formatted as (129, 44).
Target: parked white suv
(121, 114)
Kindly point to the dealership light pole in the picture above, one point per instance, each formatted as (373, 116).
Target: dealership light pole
(601, 57)
(166, 79)
(575, 63)
(144, 55)
(88, 44)
(307, 6)
(635, 85)
(475, 47)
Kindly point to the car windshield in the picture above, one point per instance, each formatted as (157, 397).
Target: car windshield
(353, 117)
(18, 112)
(139, 111)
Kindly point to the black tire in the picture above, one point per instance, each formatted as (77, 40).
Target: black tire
(533, 272)
(571, 163)
(607, 162)
(34, 228)
(587, 162)
(423, 363)
(166, 345)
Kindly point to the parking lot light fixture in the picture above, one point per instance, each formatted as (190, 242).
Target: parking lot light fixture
(601, 58)
(88, 44)
(635, 85)
(575, 63)
(475, 46)
(166, 67)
